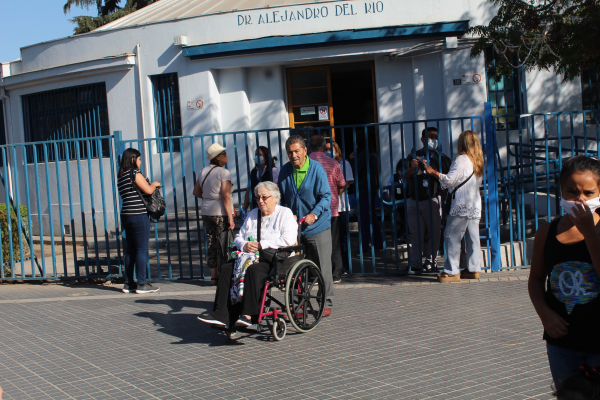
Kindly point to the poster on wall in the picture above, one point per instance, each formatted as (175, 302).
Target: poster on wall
(323, 113)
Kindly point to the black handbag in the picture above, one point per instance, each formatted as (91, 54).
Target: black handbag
(451, 195)
(280, 260)
(155, 203)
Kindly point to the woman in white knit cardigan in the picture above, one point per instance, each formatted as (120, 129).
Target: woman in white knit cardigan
(465, 211)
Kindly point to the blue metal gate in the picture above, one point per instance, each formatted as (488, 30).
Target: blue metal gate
(71, 228)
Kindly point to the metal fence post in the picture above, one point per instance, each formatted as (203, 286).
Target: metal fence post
(119, 148)
(492, 189)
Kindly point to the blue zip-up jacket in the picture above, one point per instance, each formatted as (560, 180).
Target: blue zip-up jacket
(314, 196)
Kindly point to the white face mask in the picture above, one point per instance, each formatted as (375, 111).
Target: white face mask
(569, 206)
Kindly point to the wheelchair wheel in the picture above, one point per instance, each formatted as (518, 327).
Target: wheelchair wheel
(279, 329)
(304, 295)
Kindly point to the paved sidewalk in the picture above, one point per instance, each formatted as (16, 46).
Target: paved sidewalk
(388, 337)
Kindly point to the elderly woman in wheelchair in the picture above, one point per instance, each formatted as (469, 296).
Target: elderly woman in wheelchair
(267, 258)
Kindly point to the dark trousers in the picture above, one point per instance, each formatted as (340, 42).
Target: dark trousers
(336, 256)
(254, 282)
(365, 220)
(137, 235)
(343, 234)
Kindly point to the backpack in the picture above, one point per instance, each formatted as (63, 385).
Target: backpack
(155, 203)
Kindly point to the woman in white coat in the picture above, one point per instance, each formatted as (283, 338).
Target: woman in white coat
(463, 182)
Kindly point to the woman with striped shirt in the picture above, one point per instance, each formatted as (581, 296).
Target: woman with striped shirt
(135, 221)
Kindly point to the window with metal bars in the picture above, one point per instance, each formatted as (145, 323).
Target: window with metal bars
(505, 94)
(78, 112)
(590, 94)
(167, 115)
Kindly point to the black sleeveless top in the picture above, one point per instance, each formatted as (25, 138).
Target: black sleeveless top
(572, 291)
(254, 181)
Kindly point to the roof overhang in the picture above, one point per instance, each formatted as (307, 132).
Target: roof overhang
(69, 71)
(325, 39)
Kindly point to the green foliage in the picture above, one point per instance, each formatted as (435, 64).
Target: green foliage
(558, 35)
(15, 235)
(108, 11)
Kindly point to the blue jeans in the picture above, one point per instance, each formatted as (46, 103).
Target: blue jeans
(564, 362)
(137, 234)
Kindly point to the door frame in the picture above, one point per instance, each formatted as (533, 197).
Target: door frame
(289, 72)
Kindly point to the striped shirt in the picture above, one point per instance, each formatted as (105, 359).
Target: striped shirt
(334, 177)
(132, 204)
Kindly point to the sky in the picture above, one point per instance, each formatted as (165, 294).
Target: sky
(27, 22)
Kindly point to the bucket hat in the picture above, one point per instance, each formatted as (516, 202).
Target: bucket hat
(214, 150)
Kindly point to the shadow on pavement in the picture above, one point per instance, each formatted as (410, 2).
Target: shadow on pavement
(187, 328)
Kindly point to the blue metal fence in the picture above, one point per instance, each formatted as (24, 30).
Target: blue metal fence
(72, 226)
(530, 158)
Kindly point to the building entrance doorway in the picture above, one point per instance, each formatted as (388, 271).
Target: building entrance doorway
(333, 95)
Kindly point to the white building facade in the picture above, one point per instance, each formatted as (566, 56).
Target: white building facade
(181, 67)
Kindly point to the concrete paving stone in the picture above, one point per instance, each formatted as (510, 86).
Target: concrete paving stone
(395, 354)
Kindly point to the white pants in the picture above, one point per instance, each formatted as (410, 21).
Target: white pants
(456, 228)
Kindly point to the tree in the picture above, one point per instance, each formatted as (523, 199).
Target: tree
(108, 11)
(562, 35)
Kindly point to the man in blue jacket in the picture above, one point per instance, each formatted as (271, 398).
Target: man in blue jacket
(305, 190)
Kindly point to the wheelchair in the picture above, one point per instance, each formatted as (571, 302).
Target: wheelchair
(302, 284)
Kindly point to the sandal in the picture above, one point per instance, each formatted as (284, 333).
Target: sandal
(446, 277)
(466, 274)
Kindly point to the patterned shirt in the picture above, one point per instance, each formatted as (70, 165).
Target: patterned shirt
(334, 176)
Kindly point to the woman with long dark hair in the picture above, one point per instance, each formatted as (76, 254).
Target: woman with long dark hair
(135, 221)
(264, 171)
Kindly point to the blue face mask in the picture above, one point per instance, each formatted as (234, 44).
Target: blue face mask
(259, 160)
(432, 144)
(332, 154)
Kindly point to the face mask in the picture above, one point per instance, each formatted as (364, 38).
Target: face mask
(259, 160)
(569, 206)
(432, 144)
(332, 154)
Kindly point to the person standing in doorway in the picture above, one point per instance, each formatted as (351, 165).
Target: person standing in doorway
(217, 208)
(135, 221)
(337, 184)
(305, 189)
(343, 207)
(424, 205)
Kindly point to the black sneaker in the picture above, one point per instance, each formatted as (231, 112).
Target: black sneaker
(207, 318)
(146, 288)
(129, 288)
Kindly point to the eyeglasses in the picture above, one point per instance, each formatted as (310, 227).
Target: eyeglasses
(222, 154)
(263, 198)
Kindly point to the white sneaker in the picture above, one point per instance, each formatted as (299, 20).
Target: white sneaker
(243, 322)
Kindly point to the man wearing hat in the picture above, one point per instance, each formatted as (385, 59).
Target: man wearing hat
(214, 186)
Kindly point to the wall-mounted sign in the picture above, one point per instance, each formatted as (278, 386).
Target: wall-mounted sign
(468, 79)
(307, 111)
(195, 105)
(290, 14)
(323, 113)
